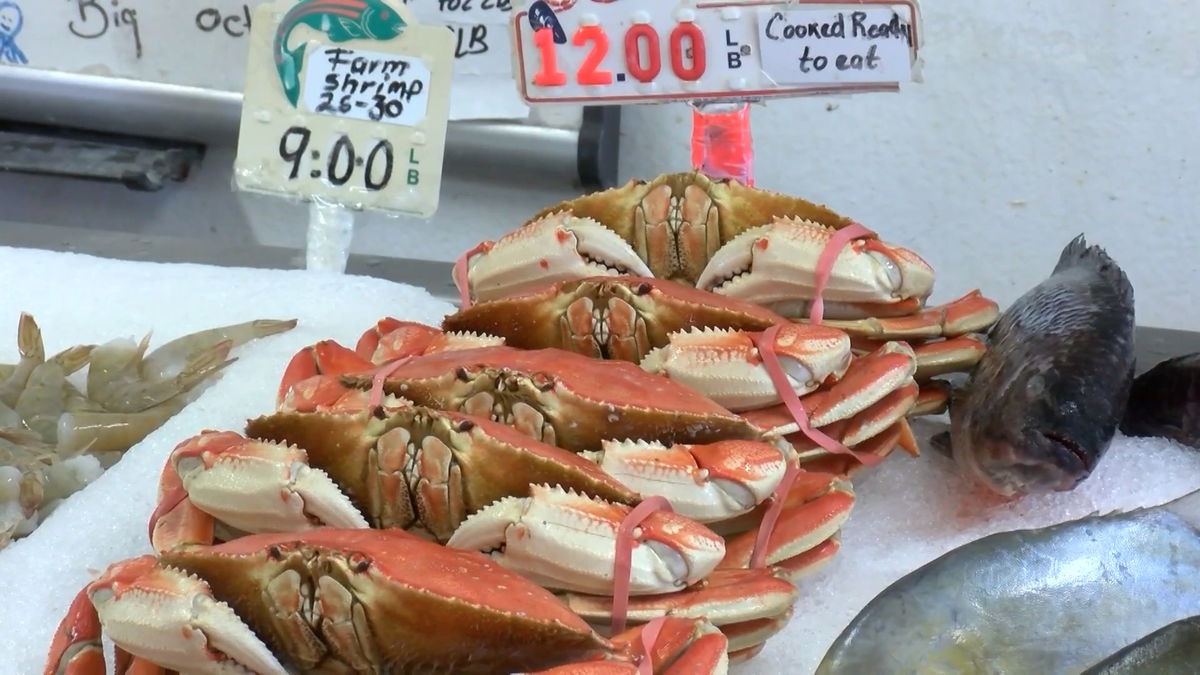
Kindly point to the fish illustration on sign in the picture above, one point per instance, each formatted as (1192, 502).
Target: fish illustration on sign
(11, 21)
(340, 21)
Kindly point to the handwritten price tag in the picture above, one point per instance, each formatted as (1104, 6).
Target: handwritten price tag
(710, 50)
(346, 102)
(835, 46)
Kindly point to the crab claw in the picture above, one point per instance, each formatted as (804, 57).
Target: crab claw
(706, 483)
(171, 619)
(566, 541)
(775, 265)
(556, 247)
(257, 486)
(392, 339)
(326, 357)
(725, 364)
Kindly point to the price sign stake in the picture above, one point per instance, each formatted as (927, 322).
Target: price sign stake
(346, 104)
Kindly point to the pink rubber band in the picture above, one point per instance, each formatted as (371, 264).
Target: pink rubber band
(767, 527)
(829, 255)
(650, 633)
(623, 565)
(378, 379)
(766, 349)
(460, 271)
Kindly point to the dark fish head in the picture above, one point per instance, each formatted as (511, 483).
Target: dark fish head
(1033, 460)
(1042, 406)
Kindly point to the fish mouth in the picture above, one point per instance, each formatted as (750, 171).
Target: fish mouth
(1041, 461)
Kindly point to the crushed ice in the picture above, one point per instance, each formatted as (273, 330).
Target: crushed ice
(909, 510)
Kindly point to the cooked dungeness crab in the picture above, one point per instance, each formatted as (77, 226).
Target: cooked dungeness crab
(337, 600)
(333, 456)
(800, 260)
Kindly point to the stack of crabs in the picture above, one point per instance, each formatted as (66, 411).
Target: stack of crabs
(618, 456)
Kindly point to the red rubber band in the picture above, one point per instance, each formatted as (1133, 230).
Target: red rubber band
(650, 633)
(378, 379)
(759, 557)
(623, 565)
(460, 271)
(829, 255)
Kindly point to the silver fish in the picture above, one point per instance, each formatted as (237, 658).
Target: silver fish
(1042, 406)
(1171, 650)
(1165, 401)
(1051, 600)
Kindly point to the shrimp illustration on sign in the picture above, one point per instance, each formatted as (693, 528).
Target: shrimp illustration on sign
(340, 21)
(11, 21)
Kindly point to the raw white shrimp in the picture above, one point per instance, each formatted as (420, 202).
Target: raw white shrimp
(110, 432)
(114, 380)
(44, 397)
(172, 357)
(123, 378)
(33, 354)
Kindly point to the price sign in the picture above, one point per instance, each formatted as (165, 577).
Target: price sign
(591, 51)
(346, 101)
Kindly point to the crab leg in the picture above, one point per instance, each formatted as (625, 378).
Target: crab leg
(667, 645)
(802, 526)
(971, 313)
(933, 399)
(869, 379)
(725, 597)
(937, 356)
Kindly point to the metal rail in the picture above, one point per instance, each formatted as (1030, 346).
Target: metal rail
(584, 155)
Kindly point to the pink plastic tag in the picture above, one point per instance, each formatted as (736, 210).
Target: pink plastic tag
(722, 146)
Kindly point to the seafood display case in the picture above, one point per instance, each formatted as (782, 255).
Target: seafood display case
(642, 426)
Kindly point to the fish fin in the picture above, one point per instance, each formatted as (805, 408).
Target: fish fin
(1079, 254)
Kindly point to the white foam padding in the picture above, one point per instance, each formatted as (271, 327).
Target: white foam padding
(908, 512)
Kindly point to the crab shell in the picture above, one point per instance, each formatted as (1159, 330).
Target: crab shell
(562, 398)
